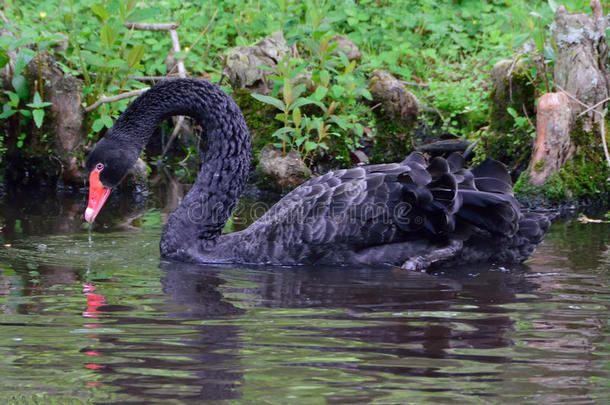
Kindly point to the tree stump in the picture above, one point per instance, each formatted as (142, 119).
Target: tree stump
(581, 75)
(397, 102)
(66, 125)
(580, 64)
(511, 88)
(397, 116)
(552, 147)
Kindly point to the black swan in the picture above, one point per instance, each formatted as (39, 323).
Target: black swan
(414, 214)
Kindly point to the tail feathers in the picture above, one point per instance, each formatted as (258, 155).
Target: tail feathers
(493, 177)
(432, 193)
(496, 213)
(444, 192)
(476, 207)
(488, 200)
(534, 226)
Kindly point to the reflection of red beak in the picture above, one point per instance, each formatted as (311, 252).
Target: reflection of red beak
(97, 196)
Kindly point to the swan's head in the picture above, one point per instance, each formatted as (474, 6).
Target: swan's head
(107, 164)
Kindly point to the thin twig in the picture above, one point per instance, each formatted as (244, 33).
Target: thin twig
(3, 17)
(594, 107)
(414, 84)
(602, 128)
(111, 99)
(571, 96)
(374, 107)
(509, 75)
(527, 116)
(205, 30)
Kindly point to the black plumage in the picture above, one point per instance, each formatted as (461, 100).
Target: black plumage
(414, 213)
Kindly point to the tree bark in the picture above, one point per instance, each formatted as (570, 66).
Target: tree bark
(580, 64)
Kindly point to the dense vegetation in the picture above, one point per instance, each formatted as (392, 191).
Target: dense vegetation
(442, 49)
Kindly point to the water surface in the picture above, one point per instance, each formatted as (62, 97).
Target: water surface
(109, 322)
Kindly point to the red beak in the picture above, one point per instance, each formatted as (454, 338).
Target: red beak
(97, 196)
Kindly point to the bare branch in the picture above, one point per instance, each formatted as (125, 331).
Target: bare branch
(176, 48)
(111, 99)
(150, 78)
(152, 27)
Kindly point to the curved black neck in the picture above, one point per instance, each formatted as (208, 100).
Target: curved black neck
(207, 206)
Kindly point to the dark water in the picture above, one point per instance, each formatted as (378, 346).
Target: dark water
(108, 322)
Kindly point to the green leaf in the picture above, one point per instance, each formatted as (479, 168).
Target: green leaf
(38, 103)
(123, 11)
(23, 58)
(38, 117)
(113, 7)
(144, 14)
(135, 55)
(115, 63)
(180, 55)
(366, 94)
(282, 131)
(3, 57)
(298, 90)
(309, 146)
(131, 4)
(93, 59)
(107, 121)
(18, 43)
(97, 126)
(320, 93)
(7, 113)
(21, 87)
(13, 97)
(340, 121)
(337, 91)
(100, 11)
(324, 77)
(277, 103)
(108, 36)
(301, 102)
(296, 117)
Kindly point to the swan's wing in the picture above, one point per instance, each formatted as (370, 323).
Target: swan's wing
(379, 204)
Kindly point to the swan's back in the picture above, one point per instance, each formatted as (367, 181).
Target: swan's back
(389, 213)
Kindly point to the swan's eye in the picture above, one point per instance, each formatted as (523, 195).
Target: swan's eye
(99, 167)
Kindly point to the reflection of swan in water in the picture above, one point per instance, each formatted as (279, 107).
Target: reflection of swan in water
(361, 291)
